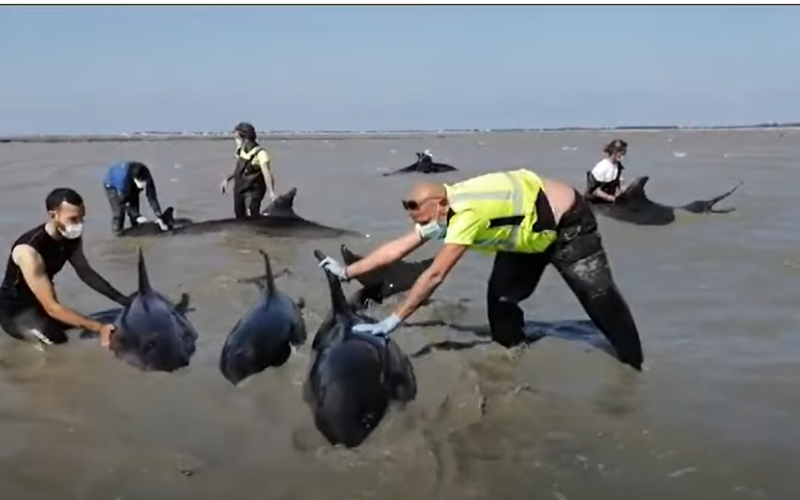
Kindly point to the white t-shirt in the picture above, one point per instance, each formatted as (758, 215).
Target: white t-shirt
(605, 171)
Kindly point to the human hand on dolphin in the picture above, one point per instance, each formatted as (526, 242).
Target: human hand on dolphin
(334, 267)
(106, 331)
(385, 327)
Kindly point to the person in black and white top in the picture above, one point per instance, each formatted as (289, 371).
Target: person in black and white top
(604, 181)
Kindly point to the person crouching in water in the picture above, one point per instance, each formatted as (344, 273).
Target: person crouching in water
(252, 176)
(123, 183)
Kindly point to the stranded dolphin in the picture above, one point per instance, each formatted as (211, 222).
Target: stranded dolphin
(353, 376)
(264, 336)
(278, 219)
(150, 228)
(633, 206)
(424, 165)
(387, 281)
(152, 334)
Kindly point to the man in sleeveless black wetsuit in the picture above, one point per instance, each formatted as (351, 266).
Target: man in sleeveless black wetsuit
(29, 309)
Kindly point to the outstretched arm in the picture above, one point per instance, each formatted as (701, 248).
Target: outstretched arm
(429, 281)
(389, 252)
(96, 282)
(152, 197)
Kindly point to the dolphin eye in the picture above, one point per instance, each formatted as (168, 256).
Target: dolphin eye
(150, 346)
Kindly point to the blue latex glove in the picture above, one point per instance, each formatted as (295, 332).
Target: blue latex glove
(334, 268)
(385, 327)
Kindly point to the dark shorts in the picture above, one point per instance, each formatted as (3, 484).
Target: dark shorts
(34, 325)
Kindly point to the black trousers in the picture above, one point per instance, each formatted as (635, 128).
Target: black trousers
(33, 325)
(247, 202)
(118, 210)
(579, 257)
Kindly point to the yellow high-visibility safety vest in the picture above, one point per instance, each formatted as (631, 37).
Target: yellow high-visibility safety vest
(507, 201)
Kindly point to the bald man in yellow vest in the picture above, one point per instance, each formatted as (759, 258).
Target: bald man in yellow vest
(528, 222)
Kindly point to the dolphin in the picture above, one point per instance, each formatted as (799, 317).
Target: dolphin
(634, 206)
(353, 376)
(150, 228)
(387, 281)
(423, 165)
(263, 337)
(151, 333)
(278, 219)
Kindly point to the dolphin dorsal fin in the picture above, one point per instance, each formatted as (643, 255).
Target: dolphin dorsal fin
(268, 282)
(348, 256)
(144, 282)
(338, 301)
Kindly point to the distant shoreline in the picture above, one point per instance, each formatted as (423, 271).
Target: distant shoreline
(348, 135)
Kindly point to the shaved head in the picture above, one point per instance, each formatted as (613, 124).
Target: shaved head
(422, 190)
(426, 201)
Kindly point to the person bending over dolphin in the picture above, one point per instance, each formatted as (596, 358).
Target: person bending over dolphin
(252, 177)
(527, 222)
(604, 181)
(123, 183)
(29, 308)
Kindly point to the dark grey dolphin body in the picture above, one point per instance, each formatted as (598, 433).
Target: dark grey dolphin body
(634, 206)
(150, 228)
(387, 281)
(278, 219)
(263, 337)
(422, 166)
(353, 376)
(153, 334)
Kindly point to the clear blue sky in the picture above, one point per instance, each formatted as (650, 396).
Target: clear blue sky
(114, 69)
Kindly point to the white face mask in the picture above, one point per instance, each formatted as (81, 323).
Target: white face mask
(238, 142)
(72, 231)
(433, 230)
(139, 183)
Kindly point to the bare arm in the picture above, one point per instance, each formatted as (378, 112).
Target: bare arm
(602, 194)
(33, 272)
(92, 279)
(389, 252)
(266, 169)
(429, 281)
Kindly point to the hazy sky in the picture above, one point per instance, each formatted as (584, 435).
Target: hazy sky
(114, 69)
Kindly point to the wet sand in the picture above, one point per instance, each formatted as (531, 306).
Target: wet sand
(714, 415)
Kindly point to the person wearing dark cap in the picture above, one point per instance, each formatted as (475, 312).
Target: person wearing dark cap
(252, 176)
(604, 181)
(123, 184)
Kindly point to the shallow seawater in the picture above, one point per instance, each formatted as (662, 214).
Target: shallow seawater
(714, 415)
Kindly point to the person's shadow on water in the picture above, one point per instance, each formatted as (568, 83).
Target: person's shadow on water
(573, 330)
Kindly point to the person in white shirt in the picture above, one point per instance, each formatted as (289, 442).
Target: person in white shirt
(605, 179)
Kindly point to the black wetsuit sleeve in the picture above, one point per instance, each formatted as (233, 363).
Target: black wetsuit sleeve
(152, 197)
(93, 280)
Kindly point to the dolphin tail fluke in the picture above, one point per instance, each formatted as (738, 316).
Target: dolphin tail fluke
(144, 281)
(338, 300)
(707, 206)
